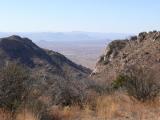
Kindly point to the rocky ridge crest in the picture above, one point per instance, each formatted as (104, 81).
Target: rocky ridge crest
(142, 49)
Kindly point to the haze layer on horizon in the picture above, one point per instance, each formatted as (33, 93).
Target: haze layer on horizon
(118, 16)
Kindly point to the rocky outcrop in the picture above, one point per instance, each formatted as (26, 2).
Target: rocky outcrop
(142, 49)
(112, 51)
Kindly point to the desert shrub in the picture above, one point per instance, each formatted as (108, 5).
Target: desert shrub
(100, 88)
(141, 83)
(34, 108)
(119, 82)
(13, 89)
(68, 92)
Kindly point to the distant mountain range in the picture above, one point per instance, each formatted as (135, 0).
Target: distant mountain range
(68, 36)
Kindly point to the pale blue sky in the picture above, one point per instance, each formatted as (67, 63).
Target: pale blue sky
(122, 16)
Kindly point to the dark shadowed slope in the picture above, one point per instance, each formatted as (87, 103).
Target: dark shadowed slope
(24, 51)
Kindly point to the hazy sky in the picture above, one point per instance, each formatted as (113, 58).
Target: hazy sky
(127, 16)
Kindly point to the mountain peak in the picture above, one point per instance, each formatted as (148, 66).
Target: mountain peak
(23, 50)
(15, 37)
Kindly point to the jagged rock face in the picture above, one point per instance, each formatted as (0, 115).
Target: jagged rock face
(51, 64)
(112, 50)
(143, 49)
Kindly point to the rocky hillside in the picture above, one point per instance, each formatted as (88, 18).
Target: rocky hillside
(49, 64)
(143, 49)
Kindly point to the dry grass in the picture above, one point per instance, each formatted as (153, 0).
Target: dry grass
(23, 115)
(111, 107)
(5, 115)
(117, 106)
(27, 115)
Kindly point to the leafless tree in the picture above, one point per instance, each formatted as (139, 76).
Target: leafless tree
(13, 86)
(69, 91)
(142, 82)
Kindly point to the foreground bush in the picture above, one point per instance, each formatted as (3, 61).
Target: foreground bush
(140, 83)
(13, 86)
(119, 82)
(68, 92)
